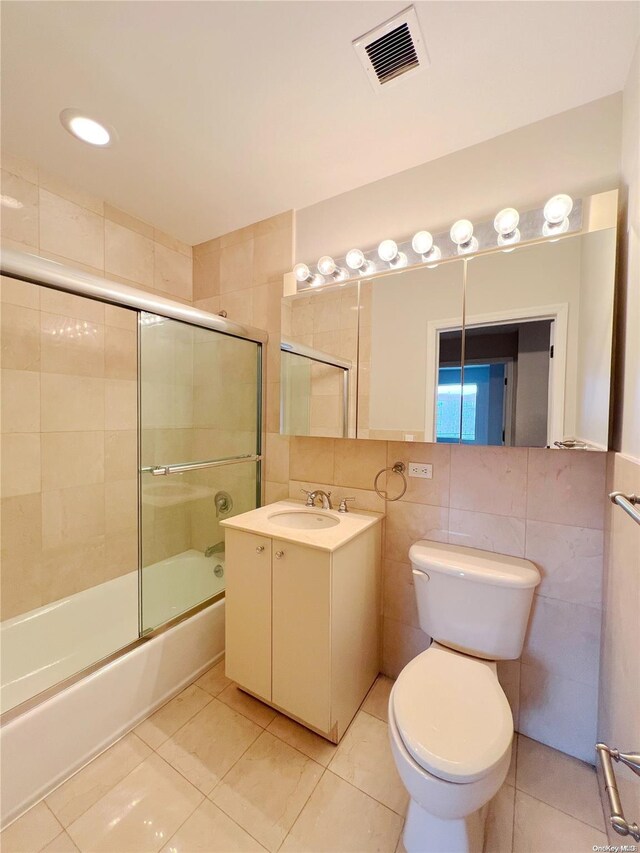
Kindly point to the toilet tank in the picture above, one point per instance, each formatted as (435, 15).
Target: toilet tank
(473, 601)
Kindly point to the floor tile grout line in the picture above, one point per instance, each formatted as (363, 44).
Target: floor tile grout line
(561, 811)
(195, 713)
(370, 796)
(306, 802)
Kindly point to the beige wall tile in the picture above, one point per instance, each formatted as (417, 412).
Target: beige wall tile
(121, 505)
(277, 458)
(357, 462)
(238, 304)
(567, 488)
(206, 273)
(19, 220)
(71, 231)
(274, 492)
(20, 401)
(564, 639)
(14, 292)
(407, 523)
(18, 166)
(72, 459)
(120, 353)
(20, 338)
(570, 560)
(59, 187)
(400, 644)
(509, 678)
(120, 404)
(119, 217)
(558, 711)
(236, 270)
(70, 305)
(72, 515)
(72, 403)
(72, 567)
(434, 491)
(172, 272)
(497, 533)
(173, 243)
(489, 479)
(21, 581)
(399, 594)
(272, 255)
(71, 346)
(122, 318)
(128, 254)
(312, 459)
(120, 455)
(20, 463)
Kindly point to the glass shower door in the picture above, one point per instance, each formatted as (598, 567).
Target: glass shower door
(199, 443)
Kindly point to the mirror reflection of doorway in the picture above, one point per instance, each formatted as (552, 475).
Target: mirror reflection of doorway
(503, 398)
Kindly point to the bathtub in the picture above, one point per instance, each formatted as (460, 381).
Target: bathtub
(45, 745)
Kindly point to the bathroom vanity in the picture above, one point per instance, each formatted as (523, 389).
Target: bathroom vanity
(303, 610)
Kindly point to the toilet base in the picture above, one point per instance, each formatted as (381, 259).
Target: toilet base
(426, 833)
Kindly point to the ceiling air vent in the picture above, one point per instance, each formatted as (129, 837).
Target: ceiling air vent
(394, 49)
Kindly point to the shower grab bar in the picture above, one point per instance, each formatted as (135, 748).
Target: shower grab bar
(627, 503)
(617, 818)
(181, 467)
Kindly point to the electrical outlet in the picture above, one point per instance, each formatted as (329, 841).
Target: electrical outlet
(421, 469)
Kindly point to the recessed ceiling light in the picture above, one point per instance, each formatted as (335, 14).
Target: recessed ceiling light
(87, 129)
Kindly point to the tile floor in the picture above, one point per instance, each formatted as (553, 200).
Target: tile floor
(216, 771)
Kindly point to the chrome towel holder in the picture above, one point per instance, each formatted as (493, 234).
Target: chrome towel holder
(617, 819)
(396, 468)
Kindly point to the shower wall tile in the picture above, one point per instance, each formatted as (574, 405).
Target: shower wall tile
(128, 254)
(172, 275)
(70, 230)
(21, 471)
(20, 223)
(20, 336)
(72, 459)
(14, 292)
(20, 411)
(72, 403)
(72, 346)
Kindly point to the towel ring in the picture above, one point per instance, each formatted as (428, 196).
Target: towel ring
(397, 468)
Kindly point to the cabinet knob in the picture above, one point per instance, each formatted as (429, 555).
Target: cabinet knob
(279, 554)
(259, 549)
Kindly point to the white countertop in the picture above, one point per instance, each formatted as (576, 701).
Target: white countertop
(326, 539)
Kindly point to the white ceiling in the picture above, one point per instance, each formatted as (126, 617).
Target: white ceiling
(229, 112)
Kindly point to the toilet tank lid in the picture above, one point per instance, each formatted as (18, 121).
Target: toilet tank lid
(479, 566)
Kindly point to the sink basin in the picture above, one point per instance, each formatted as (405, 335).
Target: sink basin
(301, 520)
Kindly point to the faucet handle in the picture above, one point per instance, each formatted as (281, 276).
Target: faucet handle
(309, 498)
(343, 504)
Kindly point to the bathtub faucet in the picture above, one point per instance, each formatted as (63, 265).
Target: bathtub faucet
(218, 548)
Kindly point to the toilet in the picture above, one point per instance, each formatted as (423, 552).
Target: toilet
(450, 724)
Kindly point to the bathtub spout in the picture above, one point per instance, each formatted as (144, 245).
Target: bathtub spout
(218, 548)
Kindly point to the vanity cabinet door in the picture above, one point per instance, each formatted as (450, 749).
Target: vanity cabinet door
(248, 611)
(302, 632)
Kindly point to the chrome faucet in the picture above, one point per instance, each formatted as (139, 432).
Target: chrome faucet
(218, 548)
(318, 493)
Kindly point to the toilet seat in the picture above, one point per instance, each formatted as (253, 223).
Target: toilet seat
(452, 715)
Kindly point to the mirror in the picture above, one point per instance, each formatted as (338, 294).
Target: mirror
(319, 353)
(538, 339)
(409, 370)
(512, 347)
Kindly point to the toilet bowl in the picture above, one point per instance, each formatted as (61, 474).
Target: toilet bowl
(451, 730)
(450, 724)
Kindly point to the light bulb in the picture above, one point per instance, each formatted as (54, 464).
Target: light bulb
(302, 272)
(357, 261)
(506, 221)
(558, 208)
(387, 250)
(509, 239)
(326, 265)
(434, 255)
(461, 232)
(422, 243)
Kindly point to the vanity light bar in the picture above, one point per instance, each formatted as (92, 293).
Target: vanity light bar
(560, 215)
